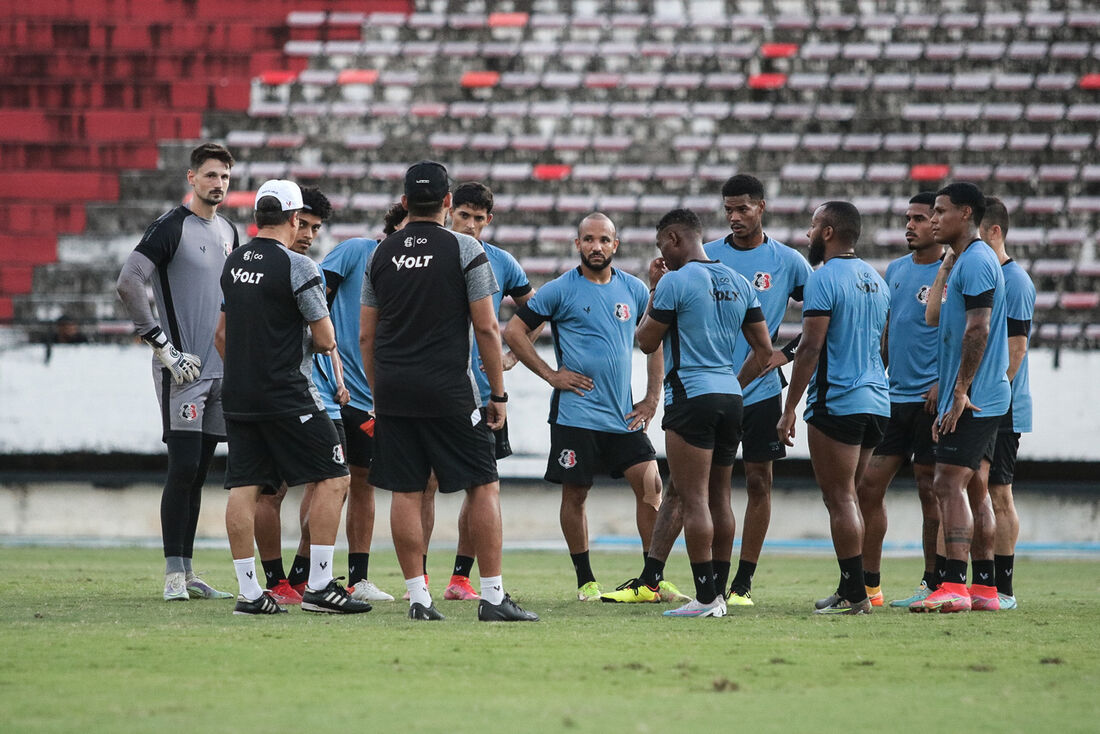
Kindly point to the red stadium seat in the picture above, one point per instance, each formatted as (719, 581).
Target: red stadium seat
(552, 172)
(778, 50)
(508, 20)
(929, 172)
(357, 76)
(1090, 81)
(480, 79)
(767, 81)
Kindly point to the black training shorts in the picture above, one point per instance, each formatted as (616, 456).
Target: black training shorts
(360, 446)
(407, 450)
(1002, 469)
(759, 438)
(296, 450)
(578, 454)
(711, 421)
(502, 447)
(908, 434)
(860, 429)
(972, 440)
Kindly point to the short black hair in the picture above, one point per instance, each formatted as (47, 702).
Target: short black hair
(206, 151)
(269, 212)
(474, 194)
(424, 209)
(928, 198)
(996, 213)
(394, 216)
(684, 218)
(844, 218)
(962, 193)
(316, 203)
(743, 183)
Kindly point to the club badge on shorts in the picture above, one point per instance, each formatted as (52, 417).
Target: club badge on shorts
(567, 458)
(338, 454)
(189, 412)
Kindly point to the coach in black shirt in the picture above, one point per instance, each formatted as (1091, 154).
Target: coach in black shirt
(277, 427)
(424, 288)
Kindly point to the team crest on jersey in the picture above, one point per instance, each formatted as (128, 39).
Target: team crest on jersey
(189, 412)
(567, 458)
(338, 454)
(922, 294)
(227, 248)
(762, 281)
(622, 311)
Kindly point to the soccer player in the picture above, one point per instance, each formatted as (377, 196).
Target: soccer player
(848, 404)
(699, 306)
(594, 423)
(1020, 306)
(910, 351)
(967, 303)
(471, 211)
(425, 287)
(277, 426)
(185, 249)
(779, 274)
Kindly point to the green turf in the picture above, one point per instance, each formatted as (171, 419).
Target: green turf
(89, 646)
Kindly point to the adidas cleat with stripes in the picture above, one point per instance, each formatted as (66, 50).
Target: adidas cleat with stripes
(264, 604)
(333, 599)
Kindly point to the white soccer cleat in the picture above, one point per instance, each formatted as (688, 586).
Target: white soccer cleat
(366, 591)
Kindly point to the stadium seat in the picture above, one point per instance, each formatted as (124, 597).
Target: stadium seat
(1045, 112)
(1006, 111)
(793, 111)
(985, 50)
(534, 202)
(1060, 173)
(902, 51)
(1071, 142)
(932, 82)
(626, 203)
(488, 142)
(804, 172)
(1066, 237)
(351, 171)
(510, 171)
(591, 172)
(724, 81)
(861, 51)
(808, 82)
(551, 171)
(843, 172)
(740, 142)
(657, 204)
(564, 235)
(673, 172)
(1055, 82)
(388, 171)
(1080, 301)
(872, 205)
(1045, 300)
(986, 141)
(778, 50)
(563, 143)
(634, 171)
(480, 79)
(1028, 50)
(611, 143)
(767, 81)
(943, 51)
(1090, 81)
(786, 205)
(902, 141)
(887, 172)
(893, 237)
(1083, 112)
(580, 203)
(819, 51)
(366, 202)
(850, 82)
(364, 141)
(778, 142)
(1057, 332)
(972, 171)
(448, 141)
(1011, 173)
(821, 141)
(512, 234)
(711, 110)
(1043, 205)
(459, 49)
(929, 172)
(1090, 172)
(1083, 204)
(922, 112)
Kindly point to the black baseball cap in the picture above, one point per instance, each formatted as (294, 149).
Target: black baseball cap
(426, 182)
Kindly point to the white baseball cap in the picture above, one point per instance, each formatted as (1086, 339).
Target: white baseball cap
(287, 192)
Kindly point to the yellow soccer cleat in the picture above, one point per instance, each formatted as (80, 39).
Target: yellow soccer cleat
(733, 599)
(632, 592)
(589, 592)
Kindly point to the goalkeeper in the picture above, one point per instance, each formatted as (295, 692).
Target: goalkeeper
(182, 254)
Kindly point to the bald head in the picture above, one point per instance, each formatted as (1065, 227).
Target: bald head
(599, 219)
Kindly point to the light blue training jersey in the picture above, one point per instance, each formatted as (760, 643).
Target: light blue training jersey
(1020, 306)
(513, 282)
(777, 273)
(704, 305)
(593, 326)
(850, 378)
(343, 269)
(976, 271)
(911, 342)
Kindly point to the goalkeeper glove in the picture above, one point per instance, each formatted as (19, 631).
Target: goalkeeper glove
(183, 366)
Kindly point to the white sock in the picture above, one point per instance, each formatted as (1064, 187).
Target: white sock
(492, 589)
(418, 591)
(320, 566)
(246, 578)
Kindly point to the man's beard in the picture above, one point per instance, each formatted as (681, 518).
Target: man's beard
(597, 266)
(817, 252)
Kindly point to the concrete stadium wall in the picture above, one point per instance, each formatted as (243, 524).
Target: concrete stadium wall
(99, 398)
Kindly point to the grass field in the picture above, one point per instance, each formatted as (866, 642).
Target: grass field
(89, 646)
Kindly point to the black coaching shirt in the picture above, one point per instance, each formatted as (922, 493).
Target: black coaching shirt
(422, 280)
(270, 296)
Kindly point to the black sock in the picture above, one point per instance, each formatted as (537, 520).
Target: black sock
(425, 566)
(273, 570)
(984, 573)
(851, 578)
(358, 563)
(954, 572)
(583, 568)
(464, 565)
(930, 580)
(742, 580)
(1004, 574)
(653, 572)
(721, 575)
(299, 571)
(941, 571)
(872, 579)
(703, 573)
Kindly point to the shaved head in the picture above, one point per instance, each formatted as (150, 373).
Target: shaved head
(598, 217)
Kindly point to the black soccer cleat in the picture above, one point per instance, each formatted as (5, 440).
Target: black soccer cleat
(828, 601)
(506, 611)
(265, 604)
(422, 613)
(333, 599)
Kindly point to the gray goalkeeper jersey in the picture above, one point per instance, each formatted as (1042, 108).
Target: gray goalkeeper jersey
(188, 254)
